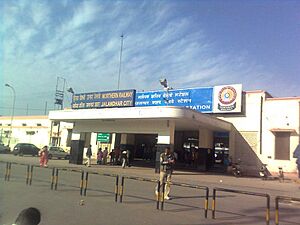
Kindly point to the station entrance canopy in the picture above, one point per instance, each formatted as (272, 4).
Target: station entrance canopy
(138, 120)
(218, 99)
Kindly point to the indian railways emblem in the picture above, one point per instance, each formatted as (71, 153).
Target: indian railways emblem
(227, 96)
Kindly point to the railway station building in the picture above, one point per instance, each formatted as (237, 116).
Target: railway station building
(203, 126)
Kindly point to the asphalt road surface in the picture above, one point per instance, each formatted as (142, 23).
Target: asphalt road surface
(66, 206)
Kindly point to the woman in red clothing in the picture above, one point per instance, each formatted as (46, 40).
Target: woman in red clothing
(44, 156)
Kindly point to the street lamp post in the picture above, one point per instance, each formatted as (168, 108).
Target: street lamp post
(121, 51)
(13, 110)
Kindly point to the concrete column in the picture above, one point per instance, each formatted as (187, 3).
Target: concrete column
(165, 138)
(93, 139)
(77, 136)
(86, 137)
(206, 138)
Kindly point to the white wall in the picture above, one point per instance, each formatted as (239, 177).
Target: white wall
(276, 114)
(280, 114)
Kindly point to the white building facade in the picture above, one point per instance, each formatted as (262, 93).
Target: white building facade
(271, 128)
(265, 131)
(37, 130)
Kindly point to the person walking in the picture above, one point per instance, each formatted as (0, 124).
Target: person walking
(167, 161)
(125, 158)
(43, 153)
(88, 155)
(105, 153)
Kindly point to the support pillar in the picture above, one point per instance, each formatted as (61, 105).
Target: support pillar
(206, 153)
(165, 139)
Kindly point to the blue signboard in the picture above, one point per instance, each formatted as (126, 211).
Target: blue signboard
(200, 99)
(107, 99)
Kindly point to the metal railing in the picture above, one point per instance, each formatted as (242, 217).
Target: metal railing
(277, 200)
(267, 217)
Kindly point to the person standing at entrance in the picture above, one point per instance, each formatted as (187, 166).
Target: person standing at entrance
(88, 155)
(105, 153)
(167, 161)
(99, 156)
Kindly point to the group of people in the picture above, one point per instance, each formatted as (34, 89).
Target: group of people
(102, 156)
(116, 157)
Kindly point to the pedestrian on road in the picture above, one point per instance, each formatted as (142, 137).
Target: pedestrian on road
(43, 153)
(88, 155)
(167, 161)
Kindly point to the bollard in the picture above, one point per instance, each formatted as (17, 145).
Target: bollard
(158, 195)
(163, 196)
(56, 180)
(116, 188)
(9, 171)
(86, 183)
(121, 190)
(206, 203)
(268, 210)
(52, 178)
(27, 175)
(81, 182)
(277, 210)
(30, 175)
(6, 172)
(213, 206)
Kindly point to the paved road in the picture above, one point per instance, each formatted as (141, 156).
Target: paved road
(139, 206)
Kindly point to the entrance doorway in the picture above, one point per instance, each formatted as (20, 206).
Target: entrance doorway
(221, 151)
(145, 146)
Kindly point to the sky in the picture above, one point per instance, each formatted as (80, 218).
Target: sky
(191, 43)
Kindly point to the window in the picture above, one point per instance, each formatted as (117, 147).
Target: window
(7, 133)
(282, 145)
